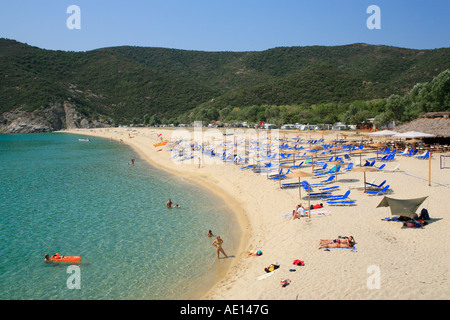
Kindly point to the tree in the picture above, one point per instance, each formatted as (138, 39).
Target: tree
(440, 92)
(395, 106)
(154, 120)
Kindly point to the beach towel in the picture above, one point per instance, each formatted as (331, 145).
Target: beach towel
(395, 219)
(351, 249)
(265, 276)
(289, 215)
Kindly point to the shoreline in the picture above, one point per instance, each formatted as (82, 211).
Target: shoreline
(202, 181)
(232, 205)
(413, 264)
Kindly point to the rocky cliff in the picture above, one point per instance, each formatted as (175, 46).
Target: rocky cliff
(54, 117)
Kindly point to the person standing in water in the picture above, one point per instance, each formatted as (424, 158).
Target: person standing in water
(218, 244)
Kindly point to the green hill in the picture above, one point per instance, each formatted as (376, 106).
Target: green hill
(124, 84)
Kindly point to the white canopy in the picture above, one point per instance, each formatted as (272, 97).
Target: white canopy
(414, 135)
(384, 133)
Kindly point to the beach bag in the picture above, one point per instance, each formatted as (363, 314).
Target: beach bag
(413, 224)
(285, 282)
(299, 262)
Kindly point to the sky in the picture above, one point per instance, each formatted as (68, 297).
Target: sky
(225, 25)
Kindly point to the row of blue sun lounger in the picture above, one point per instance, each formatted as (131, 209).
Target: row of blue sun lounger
(324, 193)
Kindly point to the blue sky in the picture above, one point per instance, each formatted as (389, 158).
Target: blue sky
(225, 25)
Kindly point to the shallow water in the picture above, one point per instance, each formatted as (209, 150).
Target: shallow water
(86, 198)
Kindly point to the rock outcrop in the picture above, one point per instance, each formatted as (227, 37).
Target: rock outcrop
(54, 117)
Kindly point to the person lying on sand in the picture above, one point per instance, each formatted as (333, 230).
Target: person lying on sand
(254, 253)
(337, 243)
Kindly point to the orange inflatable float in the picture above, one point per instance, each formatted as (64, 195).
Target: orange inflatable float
(57, 258)
(160, 144)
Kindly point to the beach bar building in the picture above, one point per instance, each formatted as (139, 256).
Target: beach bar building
(435, 123)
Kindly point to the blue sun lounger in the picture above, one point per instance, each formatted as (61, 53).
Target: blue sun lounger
(280, 175)
(341, 202)
(371, 185)
(339, 197)
(307, 187)
(349, 167)
(312, 194)
(329, 189)
(424, 156)
(333, 170)
(329, 180)
(378, 192)
(289, 185)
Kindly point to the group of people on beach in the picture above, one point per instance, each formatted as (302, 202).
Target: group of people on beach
(217, 243)
(340, 242)
(300, 212)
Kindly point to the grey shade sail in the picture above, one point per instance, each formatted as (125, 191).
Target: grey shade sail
(402, 207)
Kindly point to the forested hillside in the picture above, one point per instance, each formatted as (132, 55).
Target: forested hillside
(120, 85)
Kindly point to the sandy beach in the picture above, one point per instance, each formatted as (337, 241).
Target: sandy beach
(390, 261)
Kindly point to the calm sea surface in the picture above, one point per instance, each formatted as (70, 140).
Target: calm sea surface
(58, 194)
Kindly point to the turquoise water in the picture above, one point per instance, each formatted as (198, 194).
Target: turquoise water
(86, 198)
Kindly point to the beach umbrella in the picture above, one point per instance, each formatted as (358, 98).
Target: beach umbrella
(299, 174)
(314, 149)
(293, 152)
(334, 148)
(279, 175)
(360, 152)
(413, 142)
(377, 145)
(365, 169)
(402, 207)
(340, 163)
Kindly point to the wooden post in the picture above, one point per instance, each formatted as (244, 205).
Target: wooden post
(429, 168)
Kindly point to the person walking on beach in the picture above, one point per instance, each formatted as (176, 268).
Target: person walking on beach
(218, 244)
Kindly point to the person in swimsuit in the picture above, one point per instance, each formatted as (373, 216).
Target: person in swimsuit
(337, 243)
(298, 212)
(218, 244)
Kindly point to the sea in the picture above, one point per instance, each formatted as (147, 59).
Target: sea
(87, 198)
